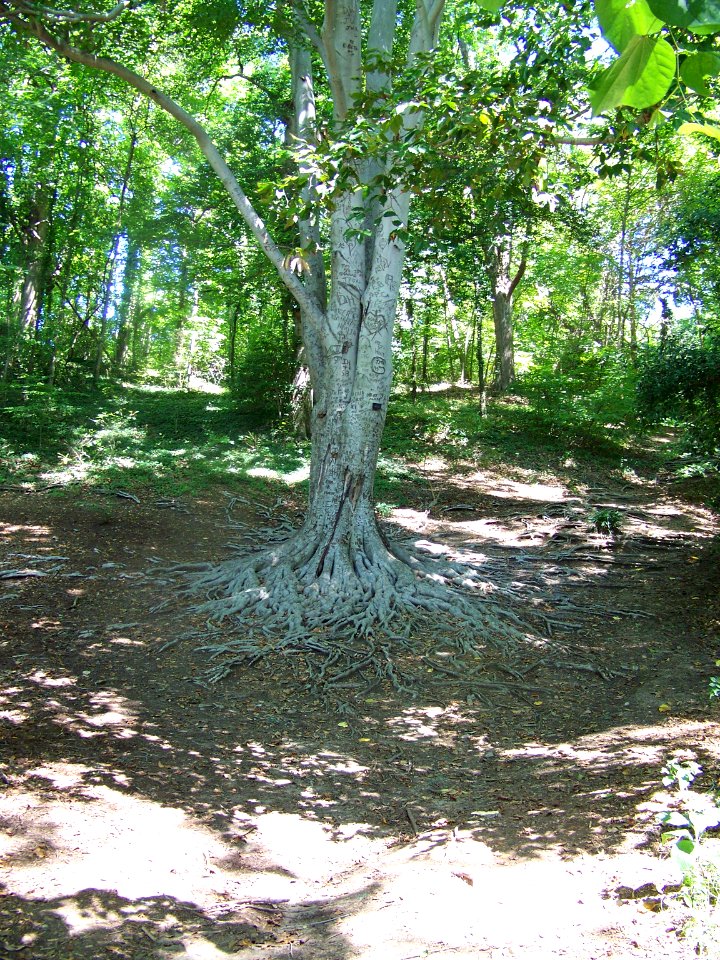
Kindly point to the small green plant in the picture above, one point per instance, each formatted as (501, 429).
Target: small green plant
(607, 521)
(691, 815)
(714, 687)
(384, 510)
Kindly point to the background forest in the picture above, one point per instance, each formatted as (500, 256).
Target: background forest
(565, 261)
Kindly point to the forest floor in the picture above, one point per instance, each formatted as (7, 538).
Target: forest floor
(147, 814)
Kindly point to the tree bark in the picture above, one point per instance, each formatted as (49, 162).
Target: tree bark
(129, 285)
(504, 286)
(35, 233)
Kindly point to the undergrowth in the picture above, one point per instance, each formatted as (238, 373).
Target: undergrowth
(690, 815)
(171, 442)
(175, 442)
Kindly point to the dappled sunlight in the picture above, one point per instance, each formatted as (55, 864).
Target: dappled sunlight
(296, 837)
(29, 531)
(461, 899)
(87, 714)
(291, 477)
(437, 724)
(506, 489)
(635, 745)
(497, 809)
(101, 859)
(102, 838)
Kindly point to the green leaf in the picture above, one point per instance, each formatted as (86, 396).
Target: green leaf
(699, 16)
(705, 128)
(621, 20)
(675, 819)
(694, 70)
(492, 5)
(684, 855)
(639, 78)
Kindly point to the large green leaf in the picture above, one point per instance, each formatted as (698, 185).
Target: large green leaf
(694, 70)
(706, 128)
(639, 78)
(621, 20)
(492, 5)
(700, 16)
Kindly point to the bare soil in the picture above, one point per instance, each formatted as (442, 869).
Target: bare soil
(508, 812)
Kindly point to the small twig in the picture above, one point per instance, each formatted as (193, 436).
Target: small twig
(116, 493)
(412, 820)
(317, 923)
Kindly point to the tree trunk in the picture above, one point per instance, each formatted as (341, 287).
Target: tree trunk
(504, 340)
(125, 305)
(35, 236)
(410, 311)
(108, 284)
(454, 337)
(482, 380)
(503, 293)
(301, 398)
(425, 365)
(232, 342)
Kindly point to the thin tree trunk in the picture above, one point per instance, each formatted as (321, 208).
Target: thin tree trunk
(503, 292)
(129, 284)
(478, 325)
(232, 341)
(112, 261)
(410, 310)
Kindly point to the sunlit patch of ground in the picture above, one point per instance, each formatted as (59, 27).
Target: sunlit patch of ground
(98, 856)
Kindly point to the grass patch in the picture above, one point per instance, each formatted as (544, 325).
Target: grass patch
(178, 442)
(545, 419)
(171, 442)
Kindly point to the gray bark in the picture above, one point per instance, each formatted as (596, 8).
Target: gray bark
(129, 286)
(504, 285)
(35, 237)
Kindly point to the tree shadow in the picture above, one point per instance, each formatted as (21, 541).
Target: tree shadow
(109, 744)
(101, 923)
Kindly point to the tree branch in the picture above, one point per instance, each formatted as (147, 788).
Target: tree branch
(583, 141)
(520, 273)
(11, 11)
(310, 30)
(72, 16)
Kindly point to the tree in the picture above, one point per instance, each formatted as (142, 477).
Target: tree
(336, 582)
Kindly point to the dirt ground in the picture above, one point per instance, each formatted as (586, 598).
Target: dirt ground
(511, 812)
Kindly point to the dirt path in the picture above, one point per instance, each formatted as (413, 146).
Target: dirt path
(146, 815)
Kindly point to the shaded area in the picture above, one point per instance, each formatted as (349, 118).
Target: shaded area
(119, 766)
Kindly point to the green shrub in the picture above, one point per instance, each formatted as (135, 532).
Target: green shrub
(680, 379)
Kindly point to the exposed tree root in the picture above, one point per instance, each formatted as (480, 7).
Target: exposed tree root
(358, 616)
